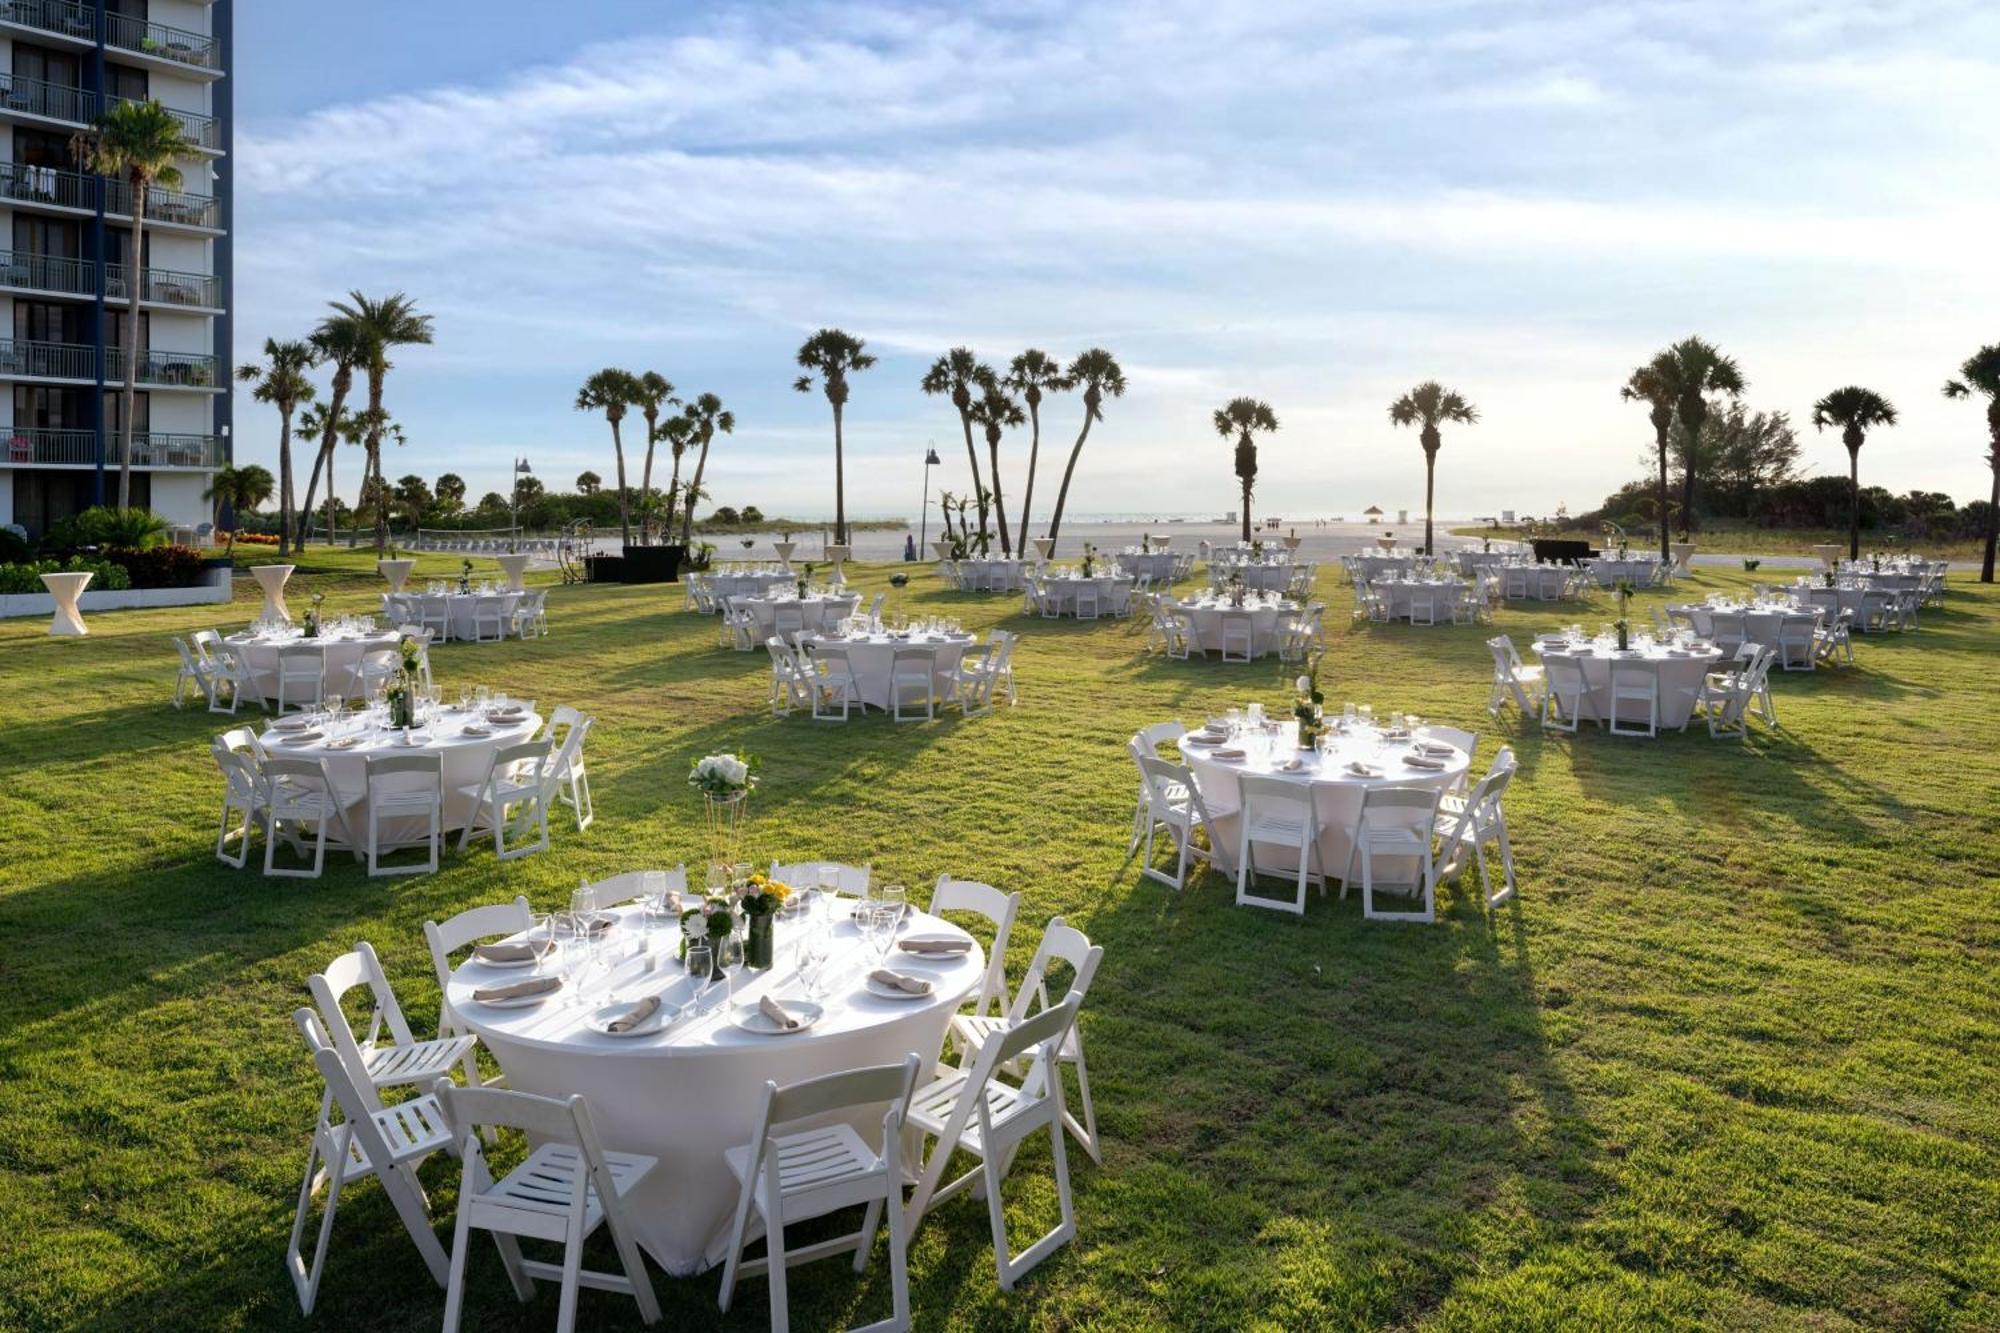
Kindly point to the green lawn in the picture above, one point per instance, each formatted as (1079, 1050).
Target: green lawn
(1728, 1061)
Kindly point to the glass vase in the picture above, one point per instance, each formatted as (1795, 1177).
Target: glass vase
(759, 944)
(724, 816)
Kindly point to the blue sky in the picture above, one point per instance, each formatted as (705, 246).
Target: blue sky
(1315, 204)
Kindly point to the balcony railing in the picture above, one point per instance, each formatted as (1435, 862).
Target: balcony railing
(157, 39)
(163, 286)
(174, 370)
(76, 189)
(198, 129)
(72, 277)
(58, 447)
(67, 361)
(65, 17)
(57, 101)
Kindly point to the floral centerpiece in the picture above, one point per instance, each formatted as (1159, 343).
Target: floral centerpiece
(760, 897)
(805, 577)
(1089, 559)
(310, 629)
(401, 692)
(725, 782)
(1310, 708)
(1624, 590)
(712, 921)
(465, 576)
(1256, 548)
(1235, 588)
(1828, 577)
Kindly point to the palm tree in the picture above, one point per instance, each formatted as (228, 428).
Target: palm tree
(1099, 373)
(1242, 417)
(1856, 411)
(1981, 374)
(958, 375)
(1427, 406)
(241, 489)
(654, 394)
(996, 412)
(612, 392)
(313, 424)
(140, 142)
(1693, 370)
(393, 321)
(344, 344)
(282, 383)
(1031, 374)
(834, 355)
(1650, 384)
(678, 432)
(706, 415)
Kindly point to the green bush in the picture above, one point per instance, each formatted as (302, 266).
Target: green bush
(102, 525)
(160, 567)
(26, 576)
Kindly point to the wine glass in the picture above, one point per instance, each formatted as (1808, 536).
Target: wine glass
(895, 901)
(700, 962)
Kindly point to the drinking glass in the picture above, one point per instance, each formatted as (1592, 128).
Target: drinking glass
(465, 698)
(700, 962)
(895, 899)
(739, 872)
(654, 894)
(718, 877)
(576, 958)
(482, 696)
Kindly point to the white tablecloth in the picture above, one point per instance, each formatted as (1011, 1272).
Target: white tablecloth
(458, 609)
(1638, 570)
(1399, 593)
(871, 659)
(1268, 622)
(1258, 577)
(998, 574)
(340, 667)
(466, 759)
(1760, 622)
(1114, 592)
(1156, 565)
(748, 585)
(1372, 566)
(815, 613)
(1680, 678)
(1541, 582)
(687, 1094)
(1337, 793)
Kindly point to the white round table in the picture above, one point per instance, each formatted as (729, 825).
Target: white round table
(994, 574)
(1637, 570)
(1679, 671)
(1156, 565)
(66, 588)
(693, 1090)
(1336, 791)
(1761, 620)
(466, 759)
(341, 656)
(1260, 576)
(743, 584)
(1372, 566)
(1544, 583)
(1398, 593)
(454, 610)
(815, 613)
(1269, 618)
(871, 657)
(1114, 592)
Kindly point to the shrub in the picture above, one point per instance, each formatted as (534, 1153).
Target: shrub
(14, 547)
(249, 538)
(103, 525)
(26, 576)
(160, 567)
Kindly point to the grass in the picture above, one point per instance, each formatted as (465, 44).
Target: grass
(1728, 537)
(1729, 1061)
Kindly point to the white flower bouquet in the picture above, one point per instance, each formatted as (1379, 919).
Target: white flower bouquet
(722, 776)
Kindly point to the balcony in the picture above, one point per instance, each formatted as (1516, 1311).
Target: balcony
(54, 187)
(162, 370)
(52, 101)
(45, 360)
(193, 291)
(46, 273)
(44, 446)
(199, 130)
(64, 18)
(160, 41)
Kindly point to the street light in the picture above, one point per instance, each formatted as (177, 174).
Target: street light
(521, 469)
(923, 523)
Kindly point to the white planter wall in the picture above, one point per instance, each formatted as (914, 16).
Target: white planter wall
(216, 590)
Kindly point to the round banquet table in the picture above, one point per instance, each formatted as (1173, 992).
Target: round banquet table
(1260, 577)
(340, 659)
(1544, 583)
(1373, 566)
(687, 1093)
(1760, 620)
(815, 613)
(998, 574)
(1399, 593)
(1336, 792)
(1469, 561)
(458, 608)
(1156, 565)
(1638, 570)
(466, 759)
(871, 657)
(1680, 671)
(1268, 621)
(1114, 592)
(748, 585)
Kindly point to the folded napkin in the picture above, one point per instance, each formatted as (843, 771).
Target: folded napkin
(638, 1014)
(1199, 739)
(344, 743)
(934, 945)
(776, 1012)
(1229, 753)
(1363, 770)
(1678, 652)
(519, 990)
(511, 953)
(1435, 749)
(289, 724)
(301, 737)
(911, 985)
(497, 714)
(474, 730)
(1419, 761)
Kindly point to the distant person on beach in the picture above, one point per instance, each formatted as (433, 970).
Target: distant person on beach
(909, 548)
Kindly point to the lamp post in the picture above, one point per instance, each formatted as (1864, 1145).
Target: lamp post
(924, 523)
(521, 469)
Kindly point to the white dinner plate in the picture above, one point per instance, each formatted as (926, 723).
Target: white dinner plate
(601, 1020)
(750, 1018)
(523, 962)
(887, 992)
(522, 1001)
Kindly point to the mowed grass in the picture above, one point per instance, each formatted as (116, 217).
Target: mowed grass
(1728, 1062)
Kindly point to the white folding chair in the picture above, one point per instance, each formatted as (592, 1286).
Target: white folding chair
(1280, 812)
(1635, 683)
(300, 793)
(243, 795)
(1174, 803)
(1566, 697)
(405, 1061)
(972, 1111)
(489, 619)
(913, 669)
(1423, 605)
(1398, 822)
(435, 612)
(969, 895)
(1003, 663)
(972, 684)
(405, 786)
(1473, 821)
(788, 682)
(1061, 943)
(820, 1168)
(1147, 742)
(195, 669)
(1085, 604)
(831, 675)
(1728, 629)
(447, 937)
(513, 797)
(1239, 636)
(531, 614)
(1186, 634)
(1796, 645)
(563, 1191)
(368, 1140)
(1833, 643)
(301, 675)
(572, 780)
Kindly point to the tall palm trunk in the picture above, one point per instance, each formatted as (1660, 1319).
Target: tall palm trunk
(1854, 499)
(1034, 453)
(375, 374)
(285, 482)
(839, 482)
(342, 381)
(646, 484)
(1090, 401)
(999, 505)
(1246, 508)
(624, 496)
(135, 280)
(694, 489)
(1430, 492)
(1687, 478)
(1993, 505)
(673, 499)
(1660, 434)
(972, 457)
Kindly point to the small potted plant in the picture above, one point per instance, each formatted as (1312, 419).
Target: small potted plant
(1309, 708)
(760, 898)
(310, 629)
(465, 576)
(805, 577)
(1624, 590)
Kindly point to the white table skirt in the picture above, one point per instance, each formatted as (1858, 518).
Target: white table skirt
(466, 761)
(1337, 794)
(999, 574)
(1398, 594)
(1639, 572)
(1267, 625)
(1760, 626)
(687, 1094)
(1542, 582)
(872, 659)
(1156, 565)
(459, 609)
(1680, 681)
(748, 585)
(1372, 567)
(340, 665)
(1114, 593)
(815, 613)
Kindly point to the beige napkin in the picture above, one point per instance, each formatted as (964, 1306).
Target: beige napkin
(1361, 770)
(1418, 761)
(638, 1014)
(897, 981)
(510, 953)
(519, 990)
(935, 946)
(1229, 753)
(774, 1011)
(1435, 749)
